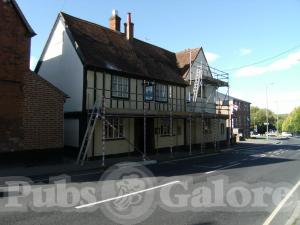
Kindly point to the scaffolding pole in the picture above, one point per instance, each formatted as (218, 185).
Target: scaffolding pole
(202, 132)
(190, 134)
(201, 106)
(103, 131)
(145, 124)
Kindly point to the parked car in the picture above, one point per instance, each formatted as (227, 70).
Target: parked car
(286, 134)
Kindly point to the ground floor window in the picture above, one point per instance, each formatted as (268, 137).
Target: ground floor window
(114, 128)
(165, 127)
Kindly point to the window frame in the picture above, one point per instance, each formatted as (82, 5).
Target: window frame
(159, 91)
(115, 133)
(120, 85)
(165, 126)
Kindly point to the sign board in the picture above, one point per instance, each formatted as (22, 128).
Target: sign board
(149, 92)
(266, 124)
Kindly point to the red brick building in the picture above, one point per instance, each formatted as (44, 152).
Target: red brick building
(31, 109)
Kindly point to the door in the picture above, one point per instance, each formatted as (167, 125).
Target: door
(139, 135)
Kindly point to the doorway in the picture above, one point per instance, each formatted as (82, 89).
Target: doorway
(139, 135)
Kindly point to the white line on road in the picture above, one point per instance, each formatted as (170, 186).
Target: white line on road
(281, 204)
(225, 167)
(208, 167)
(210, 172)
(188, 158)
(123, 196)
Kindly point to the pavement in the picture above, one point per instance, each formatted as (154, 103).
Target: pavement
(177, 188)
(68, 165)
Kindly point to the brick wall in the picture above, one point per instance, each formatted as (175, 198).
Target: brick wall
(14, 58)
(14, 44)
(43, 114)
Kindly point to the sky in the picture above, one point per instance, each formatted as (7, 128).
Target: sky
(234, 34)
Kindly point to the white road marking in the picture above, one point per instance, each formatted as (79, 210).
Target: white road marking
(281, 204)
(225, 167)
(188, 158)
(209, 167)
(123, 196)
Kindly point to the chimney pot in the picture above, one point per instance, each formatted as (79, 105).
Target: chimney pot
(129, 27)
(115, 21)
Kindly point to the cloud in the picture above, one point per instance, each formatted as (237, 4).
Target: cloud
(245, 51)
(211, 57)
(281, 64)
(33, 62)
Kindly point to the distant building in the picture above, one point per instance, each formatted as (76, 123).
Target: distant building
(239, 116)
(31, 109)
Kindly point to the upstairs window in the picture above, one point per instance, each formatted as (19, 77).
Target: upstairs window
(119, 87)
(161, 93)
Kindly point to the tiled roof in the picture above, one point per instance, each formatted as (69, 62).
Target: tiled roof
(31, 73)
(107, 49)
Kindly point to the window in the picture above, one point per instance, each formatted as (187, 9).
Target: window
(120, 87)
(165, 127)
(161, 93)
(114, 128)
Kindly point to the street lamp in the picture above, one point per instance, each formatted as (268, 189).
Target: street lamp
(277, 123)
(267, 113)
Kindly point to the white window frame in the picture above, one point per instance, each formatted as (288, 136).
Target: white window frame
(161, 93)
(114, 128)
(119, 86)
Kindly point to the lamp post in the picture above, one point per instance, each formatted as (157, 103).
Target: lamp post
(267, 113)
(277, 122)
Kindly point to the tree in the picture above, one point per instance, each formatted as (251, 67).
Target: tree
(258, 117)
(281, 119)
(292, 122)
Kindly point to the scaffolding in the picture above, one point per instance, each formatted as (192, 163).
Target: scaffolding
(192, 107)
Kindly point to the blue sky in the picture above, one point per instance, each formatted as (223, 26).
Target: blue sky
(233, 33)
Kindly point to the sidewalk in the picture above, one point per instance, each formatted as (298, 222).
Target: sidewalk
(69, 166)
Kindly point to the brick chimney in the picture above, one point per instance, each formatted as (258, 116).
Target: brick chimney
(128, 27)
(115, 21)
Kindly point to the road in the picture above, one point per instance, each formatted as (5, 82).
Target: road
(178, 192)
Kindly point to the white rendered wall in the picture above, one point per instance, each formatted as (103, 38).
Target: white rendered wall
(62, 67)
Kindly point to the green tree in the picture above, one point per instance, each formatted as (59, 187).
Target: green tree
(258, 116)
(281, 119)
(292, 122)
